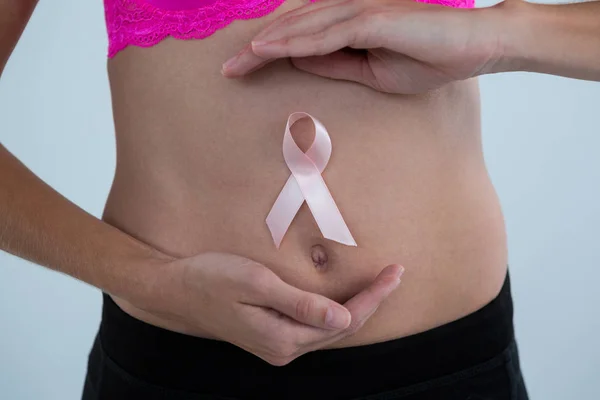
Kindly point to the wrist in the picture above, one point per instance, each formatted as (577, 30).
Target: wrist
(143, 278)
(510, 22)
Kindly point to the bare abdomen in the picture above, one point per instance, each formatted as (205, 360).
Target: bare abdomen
(199, 165)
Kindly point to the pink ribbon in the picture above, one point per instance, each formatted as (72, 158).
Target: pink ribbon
(306, 184)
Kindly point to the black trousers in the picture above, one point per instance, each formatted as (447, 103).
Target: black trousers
(473, 358)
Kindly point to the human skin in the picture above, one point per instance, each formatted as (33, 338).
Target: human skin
(234, 298)
(195, 179)
(200, 164)
(412, 47)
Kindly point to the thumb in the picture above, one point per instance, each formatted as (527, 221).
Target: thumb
(307, 308)
(345, 65)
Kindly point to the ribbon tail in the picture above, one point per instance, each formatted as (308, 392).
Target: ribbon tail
(284, 210)
(323, 208)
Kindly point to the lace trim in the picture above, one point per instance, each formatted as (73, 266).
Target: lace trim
(135, 22)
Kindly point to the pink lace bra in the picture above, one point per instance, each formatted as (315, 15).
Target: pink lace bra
(145, 23)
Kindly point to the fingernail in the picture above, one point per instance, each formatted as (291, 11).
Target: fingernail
(258, 43)
(335, 320)
(229, 64)
(400, 272)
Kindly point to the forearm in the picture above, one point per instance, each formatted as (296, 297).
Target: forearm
(552, 39)
(38, 224)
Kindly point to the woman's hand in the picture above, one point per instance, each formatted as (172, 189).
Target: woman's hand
(242, 302)
(407, 47)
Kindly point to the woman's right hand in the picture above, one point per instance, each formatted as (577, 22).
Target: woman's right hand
(244, 303)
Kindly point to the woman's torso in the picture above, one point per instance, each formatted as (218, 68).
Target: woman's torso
(199, 165)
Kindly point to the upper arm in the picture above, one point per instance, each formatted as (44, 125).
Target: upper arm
(14, 15)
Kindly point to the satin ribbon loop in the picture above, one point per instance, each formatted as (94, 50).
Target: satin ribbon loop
(306, 184)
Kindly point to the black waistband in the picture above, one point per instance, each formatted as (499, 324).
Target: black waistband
(208, 366)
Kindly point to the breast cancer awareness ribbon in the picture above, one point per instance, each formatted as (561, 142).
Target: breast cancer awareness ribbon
(306, 184)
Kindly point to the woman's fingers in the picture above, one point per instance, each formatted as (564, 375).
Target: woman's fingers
(349, 33)
(361, 307)
(247, 61)
(250, 58)
(310, 18)
(305, 307)
(243, 63)
(282, 339)
(365, 303)
(312, 23)
(345, 65)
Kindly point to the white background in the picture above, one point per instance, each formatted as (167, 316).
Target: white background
(541, 139)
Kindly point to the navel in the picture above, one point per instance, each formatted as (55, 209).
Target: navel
(319, 257)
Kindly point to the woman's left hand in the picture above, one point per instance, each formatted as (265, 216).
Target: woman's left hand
(394, 46)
